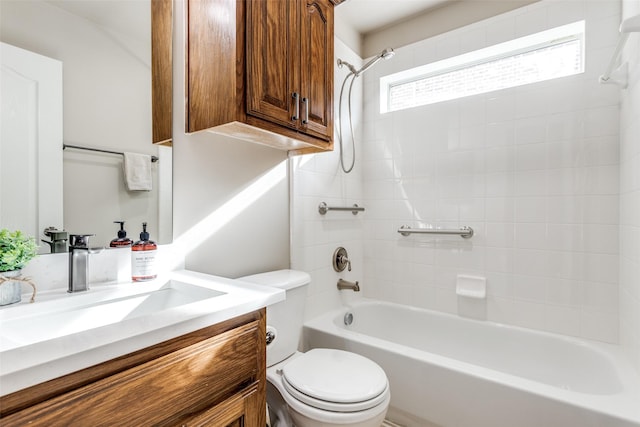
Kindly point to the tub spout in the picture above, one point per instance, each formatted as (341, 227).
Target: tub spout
(343, 284)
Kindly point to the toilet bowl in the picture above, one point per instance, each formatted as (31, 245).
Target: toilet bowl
(321, 387)
(331, 387)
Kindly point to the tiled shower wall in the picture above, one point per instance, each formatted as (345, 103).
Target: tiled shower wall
(318, 178)
(630, 196)
(534, 170)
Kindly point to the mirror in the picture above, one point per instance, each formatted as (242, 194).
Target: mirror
(104, 47)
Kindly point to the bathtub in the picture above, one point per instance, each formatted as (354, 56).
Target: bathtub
(450, 371)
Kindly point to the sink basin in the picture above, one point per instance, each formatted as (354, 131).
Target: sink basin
(75, 313)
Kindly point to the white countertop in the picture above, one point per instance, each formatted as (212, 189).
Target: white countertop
(29, 361)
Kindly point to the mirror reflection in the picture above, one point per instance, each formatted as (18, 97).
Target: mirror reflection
(104, 47)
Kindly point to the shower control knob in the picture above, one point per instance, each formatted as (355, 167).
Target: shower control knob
(341, 260)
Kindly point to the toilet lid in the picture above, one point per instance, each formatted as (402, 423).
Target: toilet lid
(334, 379)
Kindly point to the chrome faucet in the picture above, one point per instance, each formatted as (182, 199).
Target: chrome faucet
(344, 284)
(79, 262)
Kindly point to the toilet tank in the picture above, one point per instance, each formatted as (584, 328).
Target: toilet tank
(284, 318)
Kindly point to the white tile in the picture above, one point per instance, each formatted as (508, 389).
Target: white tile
(602, 32)
(565, 237)
(531, 130)
(564, 292)
(601, 268)
(602, 179)
(602, 121)
(501, 235)
(530, 288)
(602, 151)
(500, 184)
(566, 126)
(500, 134)
(531, 157)
(599, 326)
(472, 39)
(471, 209)
(499, 260)
(566, 154)
(531, 209)
(601, 296)
(562, 320)
(503, 29)
(500, 107)
(564, 12)
(530, 262)
(567, 181)
(499, 284)
(533, 21)
(500, 209)
(565, 209)
(601, 238)
(531, 183)
(566, 265)
(531, 236)
(500, 159)
(472, 137)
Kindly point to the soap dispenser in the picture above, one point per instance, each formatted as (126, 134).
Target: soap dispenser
(122, 240)
(143, 257)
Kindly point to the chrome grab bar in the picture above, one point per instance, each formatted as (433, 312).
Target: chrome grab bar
(464, 232)
(323, 208)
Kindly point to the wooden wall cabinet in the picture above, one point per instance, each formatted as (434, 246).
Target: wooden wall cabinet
(262, 70)
(161, 71)
(211, 377)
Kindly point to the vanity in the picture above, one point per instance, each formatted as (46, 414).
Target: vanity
(185, 349)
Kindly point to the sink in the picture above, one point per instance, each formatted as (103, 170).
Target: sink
(62, 333)
(73, 313)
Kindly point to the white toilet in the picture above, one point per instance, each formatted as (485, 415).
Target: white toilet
(322, 387)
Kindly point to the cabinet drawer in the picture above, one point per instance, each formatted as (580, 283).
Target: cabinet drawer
(163, 391)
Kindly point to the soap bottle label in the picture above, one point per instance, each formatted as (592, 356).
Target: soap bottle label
(143, 265)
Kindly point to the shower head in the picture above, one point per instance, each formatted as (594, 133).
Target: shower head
(385, 54)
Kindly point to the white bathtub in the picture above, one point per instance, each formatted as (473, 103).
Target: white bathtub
(454, 372)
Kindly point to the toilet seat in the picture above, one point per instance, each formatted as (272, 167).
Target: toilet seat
(335, 380)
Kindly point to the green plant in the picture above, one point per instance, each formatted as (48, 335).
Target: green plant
(16, 249)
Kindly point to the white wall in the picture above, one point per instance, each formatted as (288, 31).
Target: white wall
(630, 196)
(107, 104)
(534, 170)
(317, 178)
(445, 18)
(231, 198)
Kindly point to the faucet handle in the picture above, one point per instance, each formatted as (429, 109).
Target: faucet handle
(79, 240)
(341, 260)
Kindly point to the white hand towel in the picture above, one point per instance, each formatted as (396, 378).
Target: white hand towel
(137, 172)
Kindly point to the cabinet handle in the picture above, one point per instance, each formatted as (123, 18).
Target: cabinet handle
(305, 101)
(296, 115)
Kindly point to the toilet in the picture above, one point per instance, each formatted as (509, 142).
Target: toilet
(322, 387)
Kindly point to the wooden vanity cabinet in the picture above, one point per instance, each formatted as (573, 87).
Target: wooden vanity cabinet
(265, 74)
(211, 377)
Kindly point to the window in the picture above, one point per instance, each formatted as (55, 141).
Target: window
(542, 56)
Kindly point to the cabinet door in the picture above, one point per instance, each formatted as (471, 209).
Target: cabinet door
(272, 58)
(316, 38)
(244, 409)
